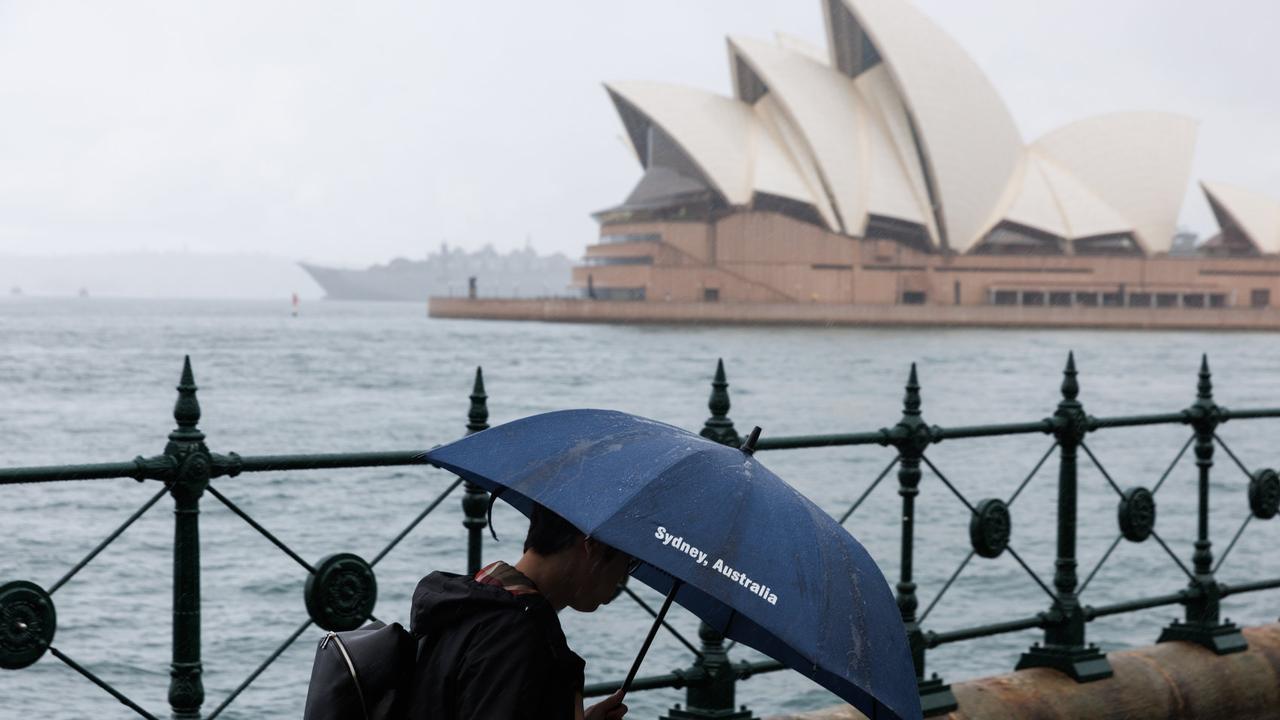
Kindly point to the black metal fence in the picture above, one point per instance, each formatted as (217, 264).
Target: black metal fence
(340, 589)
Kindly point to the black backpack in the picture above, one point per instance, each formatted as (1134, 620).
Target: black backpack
(362, 674)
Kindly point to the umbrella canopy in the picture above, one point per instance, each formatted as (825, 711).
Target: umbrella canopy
(748, 554)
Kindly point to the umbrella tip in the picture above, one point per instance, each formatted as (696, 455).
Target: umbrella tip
(749, 447)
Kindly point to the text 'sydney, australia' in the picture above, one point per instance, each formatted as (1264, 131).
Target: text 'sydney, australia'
(679, 544)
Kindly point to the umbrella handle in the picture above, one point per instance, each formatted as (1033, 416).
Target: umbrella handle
(653, 630)
(488, 514)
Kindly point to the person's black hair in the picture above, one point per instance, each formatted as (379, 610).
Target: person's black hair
(549, 533)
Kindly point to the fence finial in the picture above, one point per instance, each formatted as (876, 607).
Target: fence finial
(1070, 386)
(1204, 388)
(478, 415)
(719, 427)
(186, 410)
(911, 400)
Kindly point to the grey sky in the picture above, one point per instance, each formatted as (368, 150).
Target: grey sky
(351, 133)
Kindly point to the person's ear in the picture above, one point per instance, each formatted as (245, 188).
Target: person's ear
(594, 551)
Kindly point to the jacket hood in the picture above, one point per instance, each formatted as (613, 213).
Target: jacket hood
(444, 599)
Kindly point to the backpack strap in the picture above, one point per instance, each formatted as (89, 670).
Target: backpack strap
(351, 668)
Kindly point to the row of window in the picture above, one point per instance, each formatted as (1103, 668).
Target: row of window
(594, 293)
(1093, 298)
(629, 238)
(625, 260)
(1258, 298)
(613, 293)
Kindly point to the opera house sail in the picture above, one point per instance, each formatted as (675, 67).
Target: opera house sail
(882, 179)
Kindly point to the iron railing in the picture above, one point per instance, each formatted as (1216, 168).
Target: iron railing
(340, 589)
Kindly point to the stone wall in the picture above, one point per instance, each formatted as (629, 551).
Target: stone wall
(798, 313)
(1169, 681)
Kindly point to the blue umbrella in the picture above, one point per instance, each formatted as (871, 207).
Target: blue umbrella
(718, 532)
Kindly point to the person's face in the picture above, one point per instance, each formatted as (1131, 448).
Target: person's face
(601, 573)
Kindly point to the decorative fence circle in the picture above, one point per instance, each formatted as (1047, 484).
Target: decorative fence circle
(1137, 514)
(342, 592)
(1264, 494)
(27, 623)
(989, 528)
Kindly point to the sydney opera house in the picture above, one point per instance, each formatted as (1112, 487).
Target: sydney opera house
(883, 180)
(885, 169)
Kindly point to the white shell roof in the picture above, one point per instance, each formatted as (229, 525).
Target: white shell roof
(1052, 200)
(825, 107)
(1257, 215)
(797, 44)
(740, 149)
(713, 130)
(855, 144)
(775, 122)
(1084, 212)
(891, 118)
(968, 138)
(1035, 205)
(920, 136)
(1139, 162)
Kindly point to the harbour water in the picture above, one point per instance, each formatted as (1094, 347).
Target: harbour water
(91, 380)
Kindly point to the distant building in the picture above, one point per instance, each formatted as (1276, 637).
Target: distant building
(1184, 243)
(485, 272)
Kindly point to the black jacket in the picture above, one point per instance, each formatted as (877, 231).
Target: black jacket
(491, 655)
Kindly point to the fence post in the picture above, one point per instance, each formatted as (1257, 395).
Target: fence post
(1064, 646)
(911, 436)
(192, 459)
(1202, 625)
(474, 498)
(713, 697)
(719, 427)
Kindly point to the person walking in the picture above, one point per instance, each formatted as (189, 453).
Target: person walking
(495, 648)
(714, 531)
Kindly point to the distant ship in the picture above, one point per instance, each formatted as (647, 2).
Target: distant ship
(520, 273)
